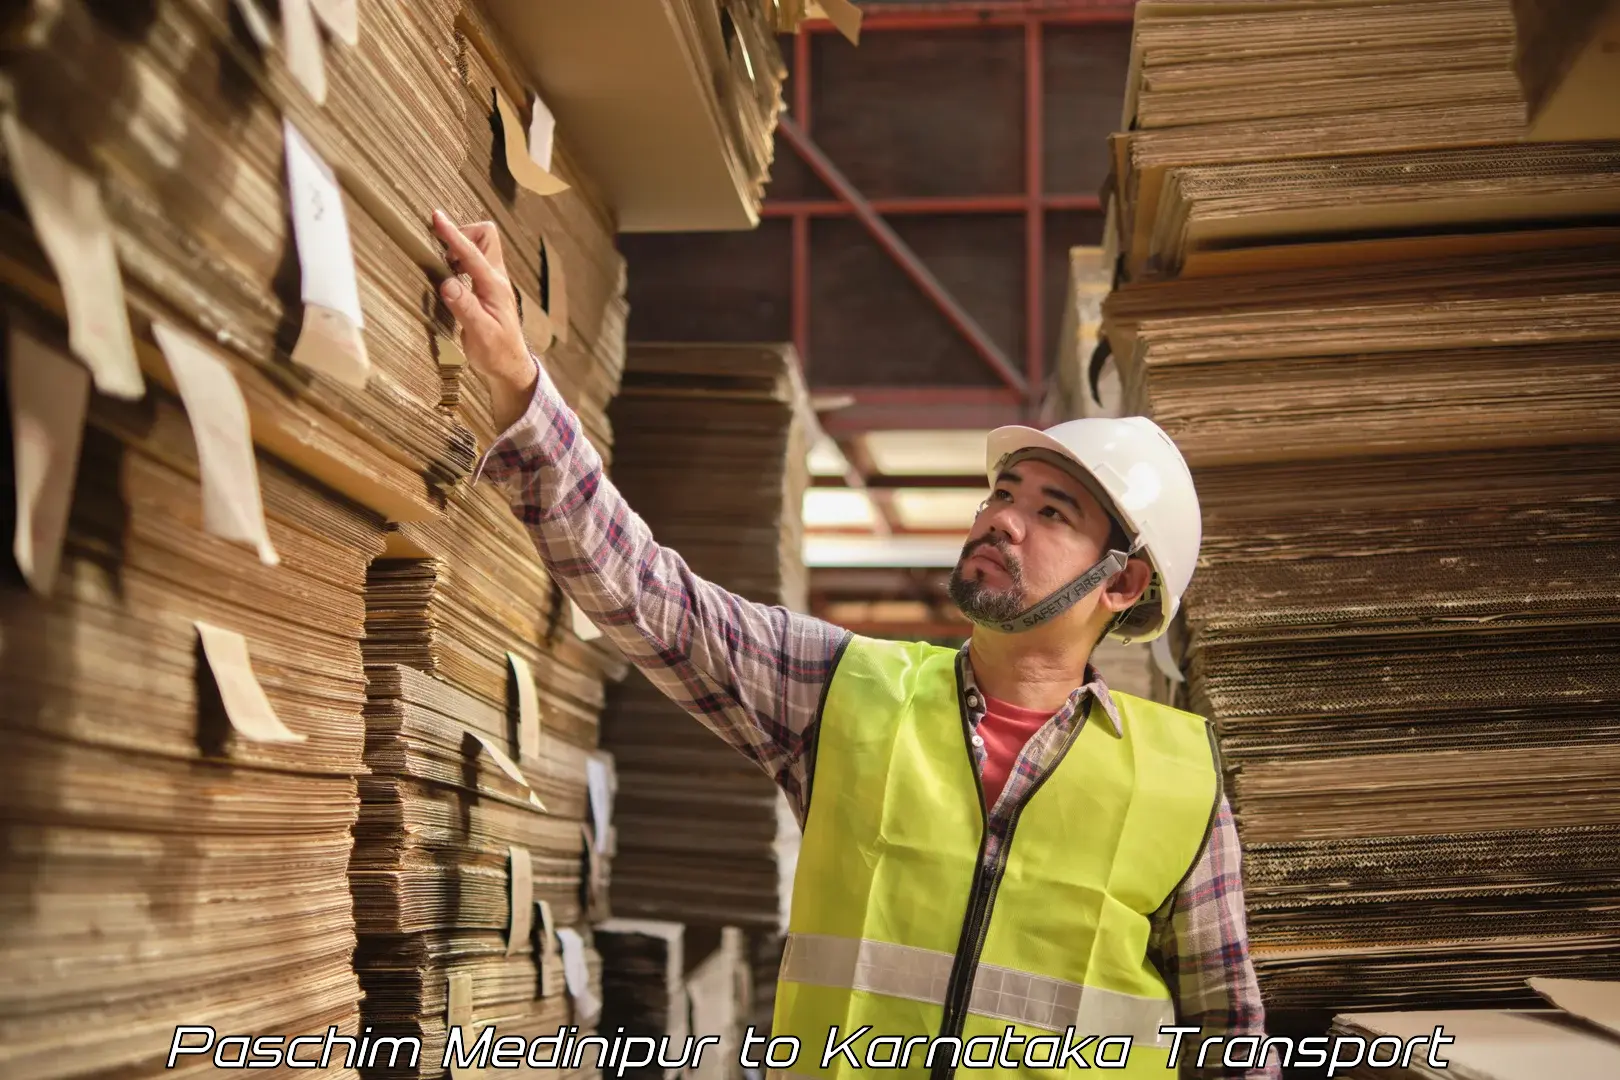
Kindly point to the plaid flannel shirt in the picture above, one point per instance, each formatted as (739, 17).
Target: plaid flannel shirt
(753, 674)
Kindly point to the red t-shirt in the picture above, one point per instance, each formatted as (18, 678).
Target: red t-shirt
(1005, 729)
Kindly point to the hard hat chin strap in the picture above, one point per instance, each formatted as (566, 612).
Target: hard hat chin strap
(1062, 599)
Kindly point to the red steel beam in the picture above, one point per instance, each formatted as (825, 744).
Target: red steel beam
(967, 16)
(893, 482)
(1034, 221)
(800, 300)
(932, 204)
(926, 395)
(902, 254)
(882, 416)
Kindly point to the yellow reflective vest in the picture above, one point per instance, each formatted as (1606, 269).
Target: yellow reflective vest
(911, 950)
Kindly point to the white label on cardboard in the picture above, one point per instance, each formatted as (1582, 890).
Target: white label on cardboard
(64, 204)
(246, 705)
(528, 707)
(330, 339)
(257, 23)
(542, 130)
(520, 896)
(305, 59)
(507, 766)
(458, 1014)
(577, 974)
(50, 395)
(233, 507)
(342, 17)
(584, 628)
(524, 169)
(599, 784)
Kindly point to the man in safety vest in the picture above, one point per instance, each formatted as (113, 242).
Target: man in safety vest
(1005, 867)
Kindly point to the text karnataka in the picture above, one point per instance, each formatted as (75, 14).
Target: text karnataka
(567, 1049)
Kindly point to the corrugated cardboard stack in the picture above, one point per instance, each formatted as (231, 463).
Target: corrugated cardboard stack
(1382, 332)
(1577, 1038)
(713, 455)
(184, 728)
(644, 986)
(484, 829)
(189, 704)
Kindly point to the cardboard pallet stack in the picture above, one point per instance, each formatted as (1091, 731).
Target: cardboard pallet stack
(211, 783)
(1382, 328)
(663, 983)
(713, 455)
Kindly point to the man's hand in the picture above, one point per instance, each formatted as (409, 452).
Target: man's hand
(491, 331)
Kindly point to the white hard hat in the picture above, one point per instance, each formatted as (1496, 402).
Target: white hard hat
(1146, 485)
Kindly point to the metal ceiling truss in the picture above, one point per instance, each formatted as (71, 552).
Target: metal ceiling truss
(1018, 398)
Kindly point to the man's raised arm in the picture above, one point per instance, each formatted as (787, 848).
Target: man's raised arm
(751, 673)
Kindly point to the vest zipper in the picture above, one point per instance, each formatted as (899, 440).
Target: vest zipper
(986, 882)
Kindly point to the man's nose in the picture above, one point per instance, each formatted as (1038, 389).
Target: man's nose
(1006, 520)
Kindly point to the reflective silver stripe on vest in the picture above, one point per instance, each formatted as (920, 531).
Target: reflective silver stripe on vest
(905, 971)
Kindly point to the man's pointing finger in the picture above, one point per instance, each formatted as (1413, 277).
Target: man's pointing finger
(466, 258)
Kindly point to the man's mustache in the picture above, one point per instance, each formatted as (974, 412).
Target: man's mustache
(1002, 548)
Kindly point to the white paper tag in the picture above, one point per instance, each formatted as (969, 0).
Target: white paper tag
(520, 896)
(342, 17)
(305, 59)
(64, 204)
(528, 707)
(542, 129)
(257, 23)
(458, 1014)
(329, 340)
(50, 395)
(584, 628)
(246, 706)
(515, 146)
(507, 766)
(577, 974)
(599, 783)
(233, 507)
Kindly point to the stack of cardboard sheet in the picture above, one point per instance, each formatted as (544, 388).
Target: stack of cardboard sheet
(733, 44)
(1565, 57)
(481, 855)
(1577, 1038)
(182, 714)
(195, 143)
(1383, 335)
(1311, 120)
(720, 991)
(1401, 360)
(256, 197)
(1411, 663)
(558, 248)
(644, 986)
(478, 830)
(675, 985)
(751, 96)
(712, 453)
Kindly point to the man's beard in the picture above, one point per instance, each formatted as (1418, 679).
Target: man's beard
(979, 602)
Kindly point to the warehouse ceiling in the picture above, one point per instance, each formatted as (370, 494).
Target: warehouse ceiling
(928, 189)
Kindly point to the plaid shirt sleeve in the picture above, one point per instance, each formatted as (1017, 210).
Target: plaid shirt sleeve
(1202, 949)
(751, 673)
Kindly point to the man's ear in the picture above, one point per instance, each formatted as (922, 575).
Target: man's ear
(1126, 587)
